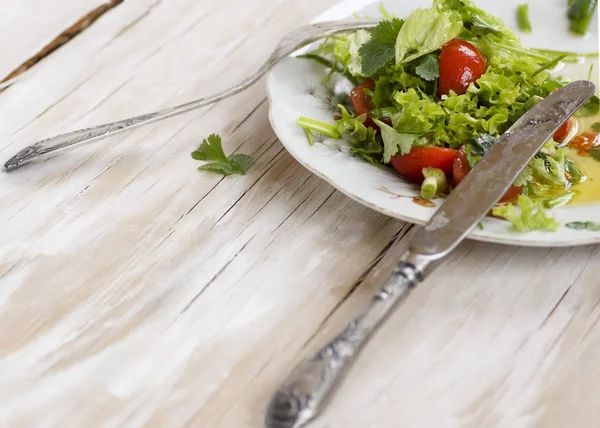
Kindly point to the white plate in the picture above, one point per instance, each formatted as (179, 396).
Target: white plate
(294, 89)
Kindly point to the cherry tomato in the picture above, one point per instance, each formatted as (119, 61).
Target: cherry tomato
(585, 141)
(362, 102)
(411, 165)
(460, 65)
(511, 193)
(563, 132)
(461, 168)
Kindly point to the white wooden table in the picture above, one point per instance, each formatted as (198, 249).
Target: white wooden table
(137, 291)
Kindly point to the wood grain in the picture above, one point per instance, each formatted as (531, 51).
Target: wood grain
(30, 27)
(137, 291)
(63, 38)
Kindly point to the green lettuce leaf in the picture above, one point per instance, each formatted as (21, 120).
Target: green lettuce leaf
(417, 113)
(346, 50)
(478, 21)
(425, 31)
(394, 141)
(550, 169)
(529, 217)
(352, 127)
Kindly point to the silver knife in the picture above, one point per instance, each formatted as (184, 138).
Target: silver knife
(303, 395)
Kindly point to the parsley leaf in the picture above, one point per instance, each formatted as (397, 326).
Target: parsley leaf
(477, 147)
(381, 48)
(387, 31)
(428, 68)
(594, 152)
(211, 150)
(596, 127)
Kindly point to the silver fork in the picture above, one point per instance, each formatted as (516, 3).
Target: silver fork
(289, 44)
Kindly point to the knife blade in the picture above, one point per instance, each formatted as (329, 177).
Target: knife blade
(491, 177)
(306, 391)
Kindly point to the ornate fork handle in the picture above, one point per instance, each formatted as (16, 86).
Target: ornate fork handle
(288, 45)
(302, 396)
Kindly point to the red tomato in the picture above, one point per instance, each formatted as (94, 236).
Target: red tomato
(461, 168)
(411, 165)
(585, 141)
(510, 194)
(563, 132)
(362, 102)
(460, 65)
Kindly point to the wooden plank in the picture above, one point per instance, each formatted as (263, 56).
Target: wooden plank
(137, 291)
(30, 27)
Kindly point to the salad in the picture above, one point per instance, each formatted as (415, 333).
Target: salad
(434, 91)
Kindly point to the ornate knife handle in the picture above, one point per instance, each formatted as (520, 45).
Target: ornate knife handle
(302, 396)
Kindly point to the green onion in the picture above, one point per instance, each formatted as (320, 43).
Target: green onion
(576, 175)
(333, 66)
(310, 136)
(523, 18)
(571, 56)
(550, 64)
(559, 201)
(584, 225)
(435, 182)
(580, 14)
(318, 126)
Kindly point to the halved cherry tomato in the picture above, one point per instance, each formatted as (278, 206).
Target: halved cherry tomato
(460, 65)
(584, 141)
(563, 132)
(411, 164)
(461, 168)
(362, 102)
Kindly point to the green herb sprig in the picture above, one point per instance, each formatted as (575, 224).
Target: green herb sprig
(211, 150)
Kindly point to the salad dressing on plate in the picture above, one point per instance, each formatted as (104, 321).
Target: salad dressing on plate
(589, 189)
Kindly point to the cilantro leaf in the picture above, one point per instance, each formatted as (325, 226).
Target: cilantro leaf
(596, 127)
(219, 167)
(595, 153)
(375, 55)
(477, 147)
(211, 150)
(241, 162)
(387, 31)
(381, 48)
(428, 68)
